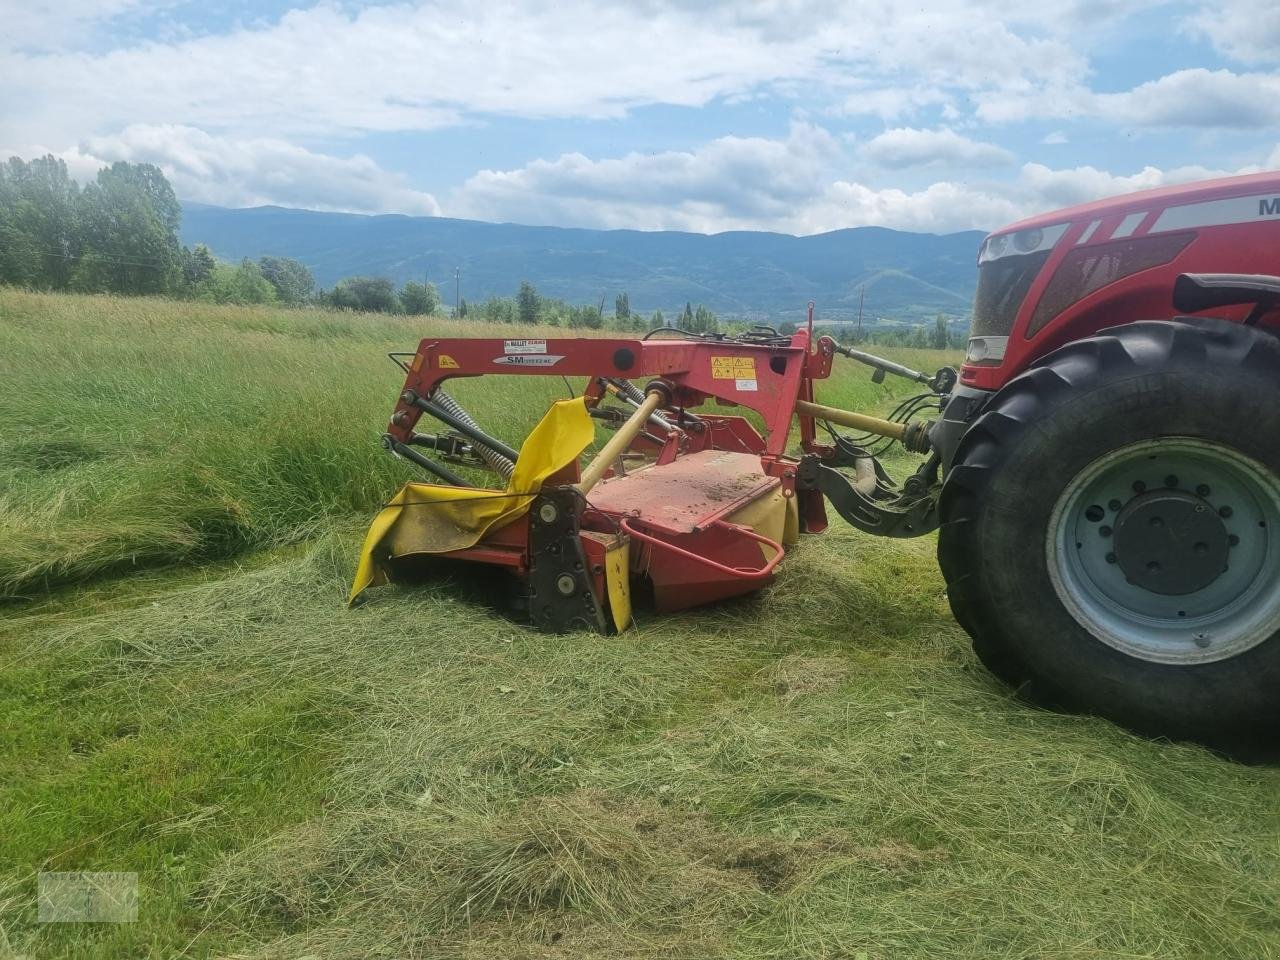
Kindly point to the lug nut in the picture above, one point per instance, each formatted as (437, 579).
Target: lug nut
(1233, 540)
(1203, 490)
(1225, 512)
(1139, 486)
(1104, 531)
(1111, 558)
(1171, 480)
(1114, 505)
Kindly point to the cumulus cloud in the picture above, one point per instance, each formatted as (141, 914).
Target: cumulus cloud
(1245, 30)
(728, 183)
(413, 66)
(1198, 98)
(1194, 97)
(909, 147)
(253, 172)
(790, 185)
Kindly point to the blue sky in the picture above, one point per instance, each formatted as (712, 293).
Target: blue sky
(791, 115)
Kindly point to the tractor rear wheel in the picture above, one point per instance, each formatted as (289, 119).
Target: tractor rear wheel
(1111, 531)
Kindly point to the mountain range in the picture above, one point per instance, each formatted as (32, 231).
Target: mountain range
(905, 276)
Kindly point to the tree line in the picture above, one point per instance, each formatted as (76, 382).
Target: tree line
(119, 234)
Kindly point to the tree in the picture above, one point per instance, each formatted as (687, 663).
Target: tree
(237, 284)
(197, 265)
(370, 294)
(658, 319)
(420, 298)
(940, 338)
(129, 219)
(686, 318)
(528, 302)
(787, 328)
(622, 307)
(590, 316)
(704, 321)
(119, 234)
(291, 279)
(462, 307)
(40, 236)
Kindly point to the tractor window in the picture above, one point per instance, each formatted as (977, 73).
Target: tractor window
(1088, 269)
(1002, 286)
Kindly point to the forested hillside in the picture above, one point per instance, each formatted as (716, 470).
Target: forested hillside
(743, 274)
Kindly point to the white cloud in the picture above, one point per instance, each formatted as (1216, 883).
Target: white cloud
(253, 172)
(1198, 98)
(728, 183)
(1246, 30)
(46, 26)
(909, 147)
(332, 69)
(1054, 138)
(1194, 97)
(785, 185)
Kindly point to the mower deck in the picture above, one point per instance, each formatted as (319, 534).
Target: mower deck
(688, 494)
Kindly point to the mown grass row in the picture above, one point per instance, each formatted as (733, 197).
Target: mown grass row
(823, 771)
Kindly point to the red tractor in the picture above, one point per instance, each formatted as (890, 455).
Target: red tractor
(1104, 474)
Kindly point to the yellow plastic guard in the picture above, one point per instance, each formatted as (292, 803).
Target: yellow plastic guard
(428, 518)
(617, 577)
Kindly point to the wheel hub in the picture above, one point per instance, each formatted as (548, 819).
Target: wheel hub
(1170, 542)
(1169, 550)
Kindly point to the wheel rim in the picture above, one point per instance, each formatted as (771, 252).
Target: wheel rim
(1169, 550)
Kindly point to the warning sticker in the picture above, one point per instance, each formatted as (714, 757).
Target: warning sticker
(746, 385)
(526, 360)
(446, 362)
(733, 368)
(524, 346)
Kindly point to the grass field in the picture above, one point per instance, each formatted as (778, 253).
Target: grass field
(821, 771)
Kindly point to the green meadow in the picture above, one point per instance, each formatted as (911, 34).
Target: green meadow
(823, 770)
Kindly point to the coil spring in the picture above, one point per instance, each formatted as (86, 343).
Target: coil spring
(493, 458)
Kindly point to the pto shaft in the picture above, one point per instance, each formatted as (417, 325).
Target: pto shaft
(620, 441)
(914, 436)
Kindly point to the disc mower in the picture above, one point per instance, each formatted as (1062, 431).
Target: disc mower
(1105, 474)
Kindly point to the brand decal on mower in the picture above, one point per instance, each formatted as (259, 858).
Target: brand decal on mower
(529, 360)
(525, 346)
(745, 384)
(734, 368)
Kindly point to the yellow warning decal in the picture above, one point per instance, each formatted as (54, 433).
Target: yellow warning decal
(446, 362)
(733, 368)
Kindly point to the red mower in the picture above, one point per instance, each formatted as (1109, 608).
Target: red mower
(1105, 475)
